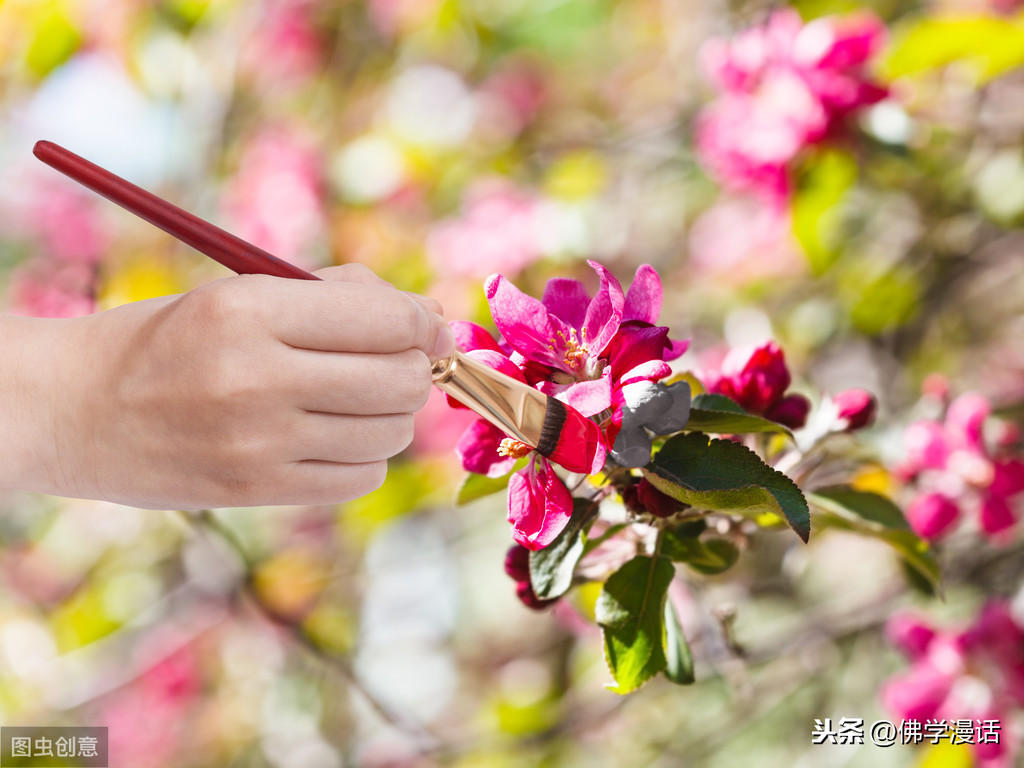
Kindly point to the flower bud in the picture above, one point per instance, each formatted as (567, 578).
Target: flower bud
(517, 563)
(526, 595)
(855, 407)
(790, 411)
(755, 377)
(654, 501)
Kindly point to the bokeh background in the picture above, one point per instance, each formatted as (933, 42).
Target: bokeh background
(437, 142)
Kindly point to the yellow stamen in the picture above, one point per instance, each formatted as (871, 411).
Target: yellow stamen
(513, 448)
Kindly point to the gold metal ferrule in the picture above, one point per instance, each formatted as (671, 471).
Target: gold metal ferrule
(513, 407)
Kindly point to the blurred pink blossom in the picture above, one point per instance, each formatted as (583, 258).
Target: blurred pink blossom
(737, 240)
(497, 230)
(276, 197)
(47, 288)
(856, 408)
(285, 48)
(784, 86)
(951, 465)
(972, 676)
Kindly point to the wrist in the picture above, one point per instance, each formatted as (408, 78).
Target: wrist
(40, 385)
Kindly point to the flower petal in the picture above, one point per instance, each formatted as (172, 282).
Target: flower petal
(525, 323)
(539, 505)
(470, 336)
(478, 450)
(604, 312)
(567, 299)
(588, 397)
(643, 299)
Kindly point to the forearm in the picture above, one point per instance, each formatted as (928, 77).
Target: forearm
(32, 433)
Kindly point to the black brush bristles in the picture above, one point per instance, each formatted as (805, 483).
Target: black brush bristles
(551, 431)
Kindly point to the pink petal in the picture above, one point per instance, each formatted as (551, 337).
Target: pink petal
(525, 323)
(604, 312)
(470, 336)
(539, 505)
(589, 397)
(498, 362)
(910, 634)
(652, 370)
(478, 450)
(567, 300)
(931, 515)
(965, 420)
(918, 694)
(643, 299)
(676, 348)
(996, 515)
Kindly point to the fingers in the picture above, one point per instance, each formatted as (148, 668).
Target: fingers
(346, 439)
(339, 316)
(359, 383)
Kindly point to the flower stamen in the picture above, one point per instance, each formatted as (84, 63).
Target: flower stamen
(514, 448)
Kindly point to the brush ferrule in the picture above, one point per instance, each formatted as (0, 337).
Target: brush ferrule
(512, 406)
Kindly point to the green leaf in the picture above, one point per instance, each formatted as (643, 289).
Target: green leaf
(708, 557)
(722, 415)
(723, 476)
(817, 206)
(872, 507)
(551, 568)
(631, 612)
(479, 486)
(679, 660)
(870, 514)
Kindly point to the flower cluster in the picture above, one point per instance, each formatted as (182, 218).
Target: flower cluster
(952, 464)
(976, 674)
(602, 355)
(784, 86)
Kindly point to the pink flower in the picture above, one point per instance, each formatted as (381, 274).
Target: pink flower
(856, 408)
(951, 467)
(784, 86)
(975, 675)
(499, 228)
(581, 350)
(757, 378)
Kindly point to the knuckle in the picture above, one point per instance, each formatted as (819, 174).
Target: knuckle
(411, 322)
(415, 380)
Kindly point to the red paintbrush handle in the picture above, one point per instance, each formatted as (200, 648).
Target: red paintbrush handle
(233, 252)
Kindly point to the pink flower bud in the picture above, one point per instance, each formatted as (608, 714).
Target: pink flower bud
(931, 515)
(517, 563)
(526, 595)
(755, 377)
(856, 407)
(791, 411)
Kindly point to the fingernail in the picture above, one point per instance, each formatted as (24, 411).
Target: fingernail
(445, 343)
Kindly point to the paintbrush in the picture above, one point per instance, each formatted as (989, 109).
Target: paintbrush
(551, 427)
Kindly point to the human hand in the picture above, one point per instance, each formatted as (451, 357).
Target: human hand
(249, 390)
